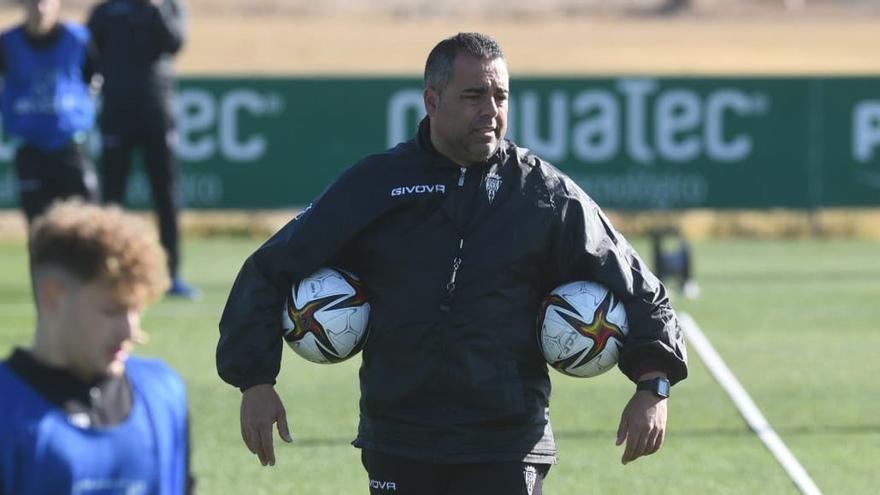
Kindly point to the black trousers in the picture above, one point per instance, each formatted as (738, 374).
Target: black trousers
(161, 167)
(393, 475)
(45, 176)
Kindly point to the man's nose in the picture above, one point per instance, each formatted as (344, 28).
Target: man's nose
(490, 107)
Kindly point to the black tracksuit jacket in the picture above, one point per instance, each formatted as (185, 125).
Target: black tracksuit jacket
(450, 373)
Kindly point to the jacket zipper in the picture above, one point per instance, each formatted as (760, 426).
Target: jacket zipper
(456, 261)
(450, 286)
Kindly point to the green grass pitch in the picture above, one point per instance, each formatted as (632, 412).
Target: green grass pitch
(796, 321)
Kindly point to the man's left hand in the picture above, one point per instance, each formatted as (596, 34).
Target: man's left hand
(642, 425)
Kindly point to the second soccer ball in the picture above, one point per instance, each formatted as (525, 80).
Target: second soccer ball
(582, 328)
(326, 316)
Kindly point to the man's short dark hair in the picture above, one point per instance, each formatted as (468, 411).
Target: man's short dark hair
(441, 60)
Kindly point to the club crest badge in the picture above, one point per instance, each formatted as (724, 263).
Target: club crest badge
(493, 183)
(531, 476)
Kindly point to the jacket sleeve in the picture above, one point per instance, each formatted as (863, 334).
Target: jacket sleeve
(96, 24)
(171, 19)
(590, 248)
(250, 345)
(90, 62)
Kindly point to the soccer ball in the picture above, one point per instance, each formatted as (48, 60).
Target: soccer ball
(326, 317)
(581, 329)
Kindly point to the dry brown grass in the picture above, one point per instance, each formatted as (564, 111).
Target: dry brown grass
(551, 45)
(764, 42)
(790, 224)
(694, 224)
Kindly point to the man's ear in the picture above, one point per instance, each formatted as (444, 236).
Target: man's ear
(432, 101)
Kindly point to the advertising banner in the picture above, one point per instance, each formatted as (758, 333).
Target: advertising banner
(632, 143)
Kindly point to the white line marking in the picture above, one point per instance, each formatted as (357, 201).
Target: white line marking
(750, 412)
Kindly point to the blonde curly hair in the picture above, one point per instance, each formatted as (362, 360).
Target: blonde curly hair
(98, 243)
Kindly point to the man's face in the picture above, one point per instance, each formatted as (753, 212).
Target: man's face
(469, 116)
(95, 329)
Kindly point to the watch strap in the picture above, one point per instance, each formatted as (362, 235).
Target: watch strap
(658, 386)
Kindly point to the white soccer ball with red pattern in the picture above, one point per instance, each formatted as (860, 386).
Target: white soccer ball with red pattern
(326, 316)
(582, 328)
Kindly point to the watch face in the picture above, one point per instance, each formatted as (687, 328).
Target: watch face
(659, 386)
(663, 388)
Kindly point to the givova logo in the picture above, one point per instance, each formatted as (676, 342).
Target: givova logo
(383, 485)
(419, 189)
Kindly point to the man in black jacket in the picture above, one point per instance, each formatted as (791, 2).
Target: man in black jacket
(454, 391)
(136, 40)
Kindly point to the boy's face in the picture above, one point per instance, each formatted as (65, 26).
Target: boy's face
(96, 331)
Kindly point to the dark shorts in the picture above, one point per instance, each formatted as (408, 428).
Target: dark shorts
(46, 176)
(392, 475)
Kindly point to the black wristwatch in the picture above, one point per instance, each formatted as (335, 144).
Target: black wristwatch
(659, 386)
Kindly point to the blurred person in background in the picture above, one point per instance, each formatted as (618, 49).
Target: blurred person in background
(47, 106)
(455, 393)
(669, 7)
(80, 415)
(136, 41)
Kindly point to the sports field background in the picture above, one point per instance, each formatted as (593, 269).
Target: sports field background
(796, 319)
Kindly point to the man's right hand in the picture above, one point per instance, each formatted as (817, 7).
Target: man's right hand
(260, 408)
